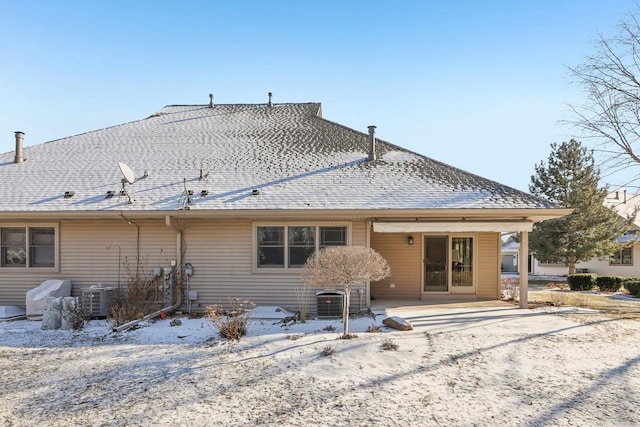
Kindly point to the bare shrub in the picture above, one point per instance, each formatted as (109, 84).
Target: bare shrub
(344, 265)
(510, 288)
(558, 298)
(302, 297)
(144, 294)
(328, 350)
(232, 323)
(329, 328)
(390, 344)
(373, 329)
(74, 314)
(348, 336)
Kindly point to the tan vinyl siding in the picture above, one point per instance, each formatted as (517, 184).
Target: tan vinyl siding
(488, 281)
(405, 264)
(221, 254)
(85, 259)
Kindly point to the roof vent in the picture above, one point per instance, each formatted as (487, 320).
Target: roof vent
(204, 193)
(68, 194)
(110, 194)
(372, 143)
(19, 139)
(270, 104)
(210, 100)
(255, 192)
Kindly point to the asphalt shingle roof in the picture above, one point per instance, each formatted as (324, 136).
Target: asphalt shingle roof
(295, 158)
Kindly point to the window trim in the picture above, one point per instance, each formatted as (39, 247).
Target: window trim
(286, 224)
(56, 248)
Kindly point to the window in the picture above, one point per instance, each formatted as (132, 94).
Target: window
(302, 243)
(274, 251)
(14, 247)
(333, 236)
(271, 246)
(41, 247)
(622, 257)
(27, 247)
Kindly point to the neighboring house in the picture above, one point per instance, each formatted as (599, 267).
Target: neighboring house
(244, 194)
(626, 262)
(510, 256)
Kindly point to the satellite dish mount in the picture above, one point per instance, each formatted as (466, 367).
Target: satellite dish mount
(128, 177)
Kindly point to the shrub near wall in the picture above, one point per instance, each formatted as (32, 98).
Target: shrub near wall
(582, 281)
(609, 283)
(633, 286)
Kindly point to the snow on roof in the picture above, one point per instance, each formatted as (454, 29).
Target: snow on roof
(291, 155)
(624, 204)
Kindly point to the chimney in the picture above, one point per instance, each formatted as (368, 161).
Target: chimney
(624, 192)
(372, 143)
(19, 139)
(210, 100)
(270, 104)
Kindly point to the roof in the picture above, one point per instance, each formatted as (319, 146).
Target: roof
(293, 157)
(624, 204)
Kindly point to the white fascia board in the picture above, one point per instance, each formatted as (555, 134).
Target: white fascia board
(451, 227)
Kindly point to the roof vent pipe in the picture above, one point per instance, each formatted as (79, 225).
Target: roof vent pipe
(372, 143)
(270, 104)
(210, 100)
(19, 139)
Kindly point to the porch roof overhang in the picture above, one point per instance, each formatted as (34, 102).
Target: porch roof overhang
(452, 226)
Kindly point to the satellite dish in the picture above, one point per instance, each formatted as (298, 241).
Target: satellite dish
(127, 173)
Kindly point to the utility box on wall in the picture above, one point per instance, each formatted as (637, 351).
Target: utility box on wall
(330, 304)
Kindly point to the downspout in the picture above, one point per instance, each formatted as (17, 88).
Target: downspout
(174, 307)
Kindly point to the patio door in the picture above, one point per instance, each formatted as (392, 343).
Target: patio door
(462, 265)
(449, 264)
(436, 277)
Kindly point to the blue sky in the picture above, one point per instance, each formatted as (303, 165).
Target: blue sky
(481, 85)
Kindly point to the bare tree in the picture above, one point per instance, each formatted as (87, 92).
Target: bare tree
(344, 265)
(611, 112)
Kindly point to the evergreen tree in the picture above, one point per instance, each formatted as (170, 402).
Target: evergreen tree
(570, 179)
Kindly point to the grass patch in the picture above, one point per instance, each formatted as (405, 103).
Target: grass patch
(615, 307)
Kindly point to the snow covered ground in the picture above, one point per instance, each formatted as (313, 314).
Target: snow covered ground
(467, 366)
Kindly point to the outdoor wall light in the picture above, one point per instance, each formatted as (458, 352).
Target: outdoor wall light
(410, 240)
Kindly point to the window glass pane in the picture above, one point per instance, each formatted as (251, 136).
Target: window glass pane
(270, 246)
(13, 247)
(270, 236)
(462, 261)
(41, 247)
(302, 243)
(333, 236)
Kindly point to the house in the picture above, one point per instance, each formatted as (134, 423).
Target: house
(510, 255)
(243, 194)
(618, 264)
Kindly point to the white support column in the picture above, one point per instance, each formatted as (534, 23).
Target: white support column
(524, 269)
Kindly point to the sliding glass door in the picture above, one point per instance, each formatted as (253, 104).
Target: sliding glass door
(462, 265)
(449, 264)
(436, 278)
